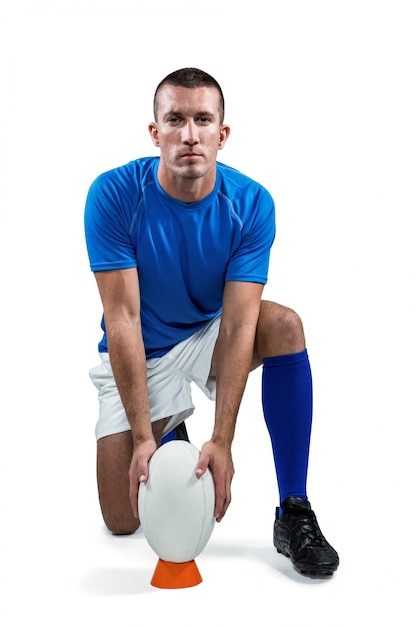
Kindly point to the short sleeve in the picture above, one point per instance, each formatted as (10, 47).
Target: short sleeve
(107, 220)
(250, 261)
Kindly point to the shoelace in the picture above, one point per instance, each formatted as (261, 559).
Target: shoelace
(308, 533)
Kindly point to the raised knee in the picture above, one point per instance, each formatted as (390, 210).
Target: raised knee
(280, 331)
(291, 325)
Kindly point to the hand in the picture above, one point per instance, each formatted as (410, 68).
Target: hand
(219, 459)
(138, 472)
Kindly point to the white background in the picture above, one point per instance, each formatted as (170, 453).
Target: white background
(322, 100)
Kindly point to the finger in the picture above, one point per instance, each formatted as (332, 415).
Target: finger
(219, 516)
(220, 504)
(133, 494)
(219, 510)
(202, 465)
(223, 500)
(136, 476)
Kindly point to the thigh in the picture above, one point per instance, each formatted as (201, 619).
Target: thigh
(279, 331)
(114, 454)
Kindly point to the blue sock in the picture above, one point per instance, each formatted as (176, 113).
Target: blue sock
(168, 437)
(287, 400)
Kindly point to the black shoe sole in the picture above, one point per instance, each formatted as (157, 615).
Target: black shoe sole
(318, 572)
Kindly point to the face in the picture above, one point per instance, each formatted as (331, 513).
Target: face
(188, 133)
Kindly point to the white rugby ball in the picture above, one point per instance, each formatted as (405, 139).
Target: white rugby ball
(176, 509)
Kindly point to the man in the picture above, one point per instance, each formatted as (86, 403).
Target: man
(180, 245)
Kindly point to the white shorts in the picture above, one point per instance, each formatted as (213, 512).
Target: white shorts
(169, 383)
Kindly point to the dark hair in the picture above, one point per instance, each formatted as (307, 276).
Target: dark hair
(191, 78)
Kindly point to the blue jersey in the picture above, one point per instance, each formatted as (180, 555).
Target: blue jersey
(184, 253)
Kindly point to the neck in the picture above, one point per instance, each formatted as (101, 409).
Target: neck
(187, 189)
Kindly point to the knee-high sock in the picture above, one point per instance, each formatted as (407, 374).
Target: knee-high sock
(287, 405)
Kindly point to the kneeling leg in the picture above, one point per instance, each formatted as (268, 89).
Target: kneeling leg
(114, 455)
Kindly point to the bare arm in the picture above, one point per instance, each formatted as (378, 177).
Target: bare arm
(119, 291)
(234, 352)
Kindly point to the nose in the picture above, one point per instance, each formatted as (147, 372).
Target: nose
(190, 133)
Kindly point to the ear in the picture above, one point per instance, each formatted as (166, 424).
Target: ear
(224, 134)
(153, 131)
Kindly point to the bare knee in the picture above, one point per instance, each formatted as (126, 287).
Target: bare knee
(119, 526)
(290, 326)
(118, 514)
(280, 331)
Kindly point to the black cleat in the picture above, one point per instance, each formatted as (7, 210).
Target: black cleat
(181, 432)
(297, 535)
